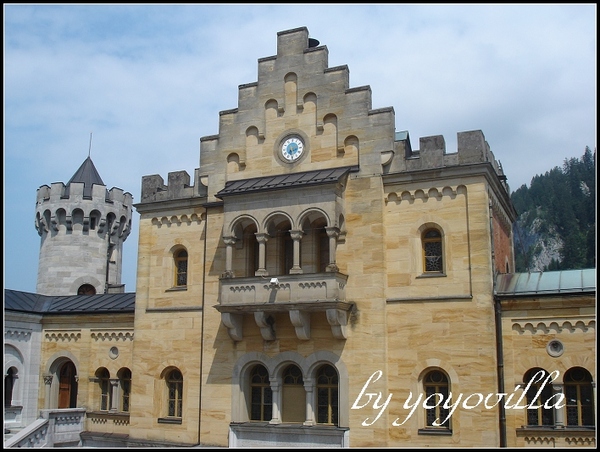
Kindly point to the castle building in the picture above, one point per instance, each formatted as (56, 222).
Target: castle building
(319, 283)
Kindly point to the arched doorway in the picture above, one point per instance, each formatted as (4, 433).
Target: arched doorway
(67, 386)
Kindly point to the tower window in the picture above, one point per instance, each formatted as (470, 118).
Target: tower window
(86, 289)
(432, 251)
(181, 265)
(174, 382)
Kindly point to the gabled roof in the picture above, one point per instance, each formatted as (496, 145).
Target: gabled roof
(281, 181)
(15, 300)
(553, 282)
(86, 174)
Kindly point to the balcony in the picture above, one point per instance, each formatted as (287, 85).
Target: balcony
(299, 295)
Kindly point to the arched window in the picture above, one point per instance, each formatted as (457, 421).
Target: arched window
(436, 385)
(125, 384)
(541, 415)
(174, 381)
(433, 261)
(86, 289)
(579, 394)
(293, 398)
(261, 404)
(105, 392)
(181, 266)
(9, 384)
(327, 395)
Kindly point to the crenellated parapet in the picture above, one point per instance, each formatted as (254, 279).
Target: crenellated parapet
(472, 149)
(177, 188)
(106, 211)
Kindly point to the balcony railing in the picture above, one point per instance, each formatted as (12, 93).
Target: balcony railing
(299, 295)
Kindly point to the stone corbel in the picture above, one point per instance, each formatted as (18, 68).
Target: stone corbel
(265, 323)
(301, 321)
(233, 322)
(338, 319)
(386, 157)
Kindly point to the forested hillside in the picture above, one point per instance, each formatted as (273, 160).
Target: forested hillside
(556, 226)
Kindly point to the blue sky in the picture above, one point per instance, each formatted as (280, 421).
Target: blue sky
(148, 81)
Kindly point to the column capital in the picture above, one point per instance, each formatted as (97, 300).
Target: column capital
(230, 240)
(332, 231)
(296, 234)
(261, 237)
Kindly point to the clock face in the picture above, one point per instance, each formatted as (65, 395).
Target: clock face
(292, 149)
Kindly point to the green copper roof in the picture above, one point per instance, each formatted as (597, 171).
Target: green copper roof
(554, 282)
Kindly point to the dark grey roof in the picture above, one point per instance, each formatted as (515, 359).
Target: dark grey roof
(88, 175)
(15, 300)
(280, 181)
(553, 282)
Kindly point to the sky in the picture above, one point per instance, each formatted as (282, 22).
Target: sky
(145, 82)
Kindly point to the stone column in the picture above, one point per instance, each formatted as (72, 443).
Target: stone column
(559, 413)
(333, 233)
(229, 241)
(48, 388)
(310, 411)
(114, 399)
(276, 403)
(296, 237)
(262, 238)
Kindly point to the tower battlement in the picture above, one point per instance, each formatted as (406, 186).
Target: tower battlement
(75, 191)
(178, 187)
(472, 148)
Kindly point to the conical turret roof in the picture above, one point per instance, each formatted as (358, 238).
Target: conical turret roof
(88, 174)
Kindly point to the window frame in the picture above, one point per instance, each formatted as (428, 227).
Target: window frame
(331, 387)
(174, 394)
(581, 410)
(541, 414)
(437, 412)
(425, 244)
(265, 392)
(103, 379)
(180, 257)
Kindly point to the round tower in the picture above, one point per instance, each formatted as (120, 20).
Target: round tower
(82, 226)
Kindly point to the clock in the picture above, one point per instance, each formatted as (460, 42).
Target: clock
(292, 149)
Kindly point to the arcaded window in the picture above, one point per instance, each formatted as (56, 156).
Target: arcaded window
(261, 405)
(539, 416)
(579, 394)
(293, 395)
(105, 392)
(181, 267)
(327, 395)
(436, 388)
(125, 385)
(174, 382)
(432, 251)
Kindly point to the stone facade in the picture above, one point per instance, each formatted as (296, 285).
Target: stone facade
(370, 308)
